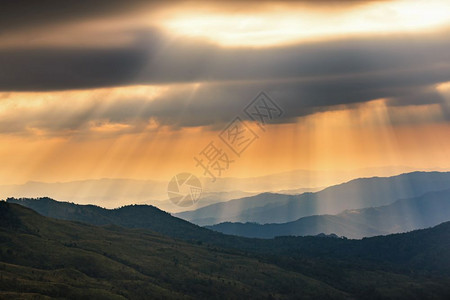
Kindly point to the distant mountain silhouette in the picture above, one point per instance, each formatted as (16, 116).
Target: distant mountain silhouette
(112, 193)
(116, 192)
(355, 194)
(425, 211)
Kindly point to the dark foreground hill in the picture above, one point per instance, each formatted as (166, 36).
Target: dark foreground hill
(43, 256)
(131, 216)
(55, 258)
(403, 215)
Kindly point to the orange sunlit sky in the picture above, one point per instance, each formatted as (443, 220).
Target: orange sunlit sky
(106, 89)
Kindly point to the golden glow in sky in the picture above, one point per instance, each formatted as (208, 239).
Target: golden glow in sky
(366, 135)
(149, 105)
(280, 24)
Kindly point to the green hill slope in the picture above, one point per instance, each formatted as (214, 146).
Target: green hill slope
(42, 256)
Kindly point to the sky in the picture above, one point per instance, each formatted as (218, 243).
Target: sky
(140, 89)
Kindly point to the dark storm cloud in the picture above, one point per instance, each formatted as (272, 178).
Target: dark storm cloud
(29, 14)
(58, 68)
(154, 58)
(53, 69)
(217, 104)
(214, 105)
(303, 78)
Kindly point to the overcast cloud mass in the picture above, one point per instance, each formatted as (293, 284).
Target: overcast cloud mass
(205, 77)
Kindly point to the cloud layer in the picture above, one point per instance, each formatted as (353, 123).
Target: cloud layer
(202, 83)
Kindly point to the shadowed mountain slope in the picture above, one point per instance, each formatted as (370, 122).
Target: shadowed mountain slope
(355, 194)
(41, 256)
(425, 211)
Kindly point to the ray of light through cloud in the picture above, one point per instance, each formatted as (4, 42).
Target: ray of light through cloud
(137, 93)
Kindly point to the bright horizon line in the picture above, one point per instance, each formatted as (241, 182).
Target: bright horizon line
(413, 169)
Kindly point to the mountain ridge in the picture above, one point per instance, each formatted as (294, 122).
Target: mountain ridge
(403, 215)
(354, 194)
